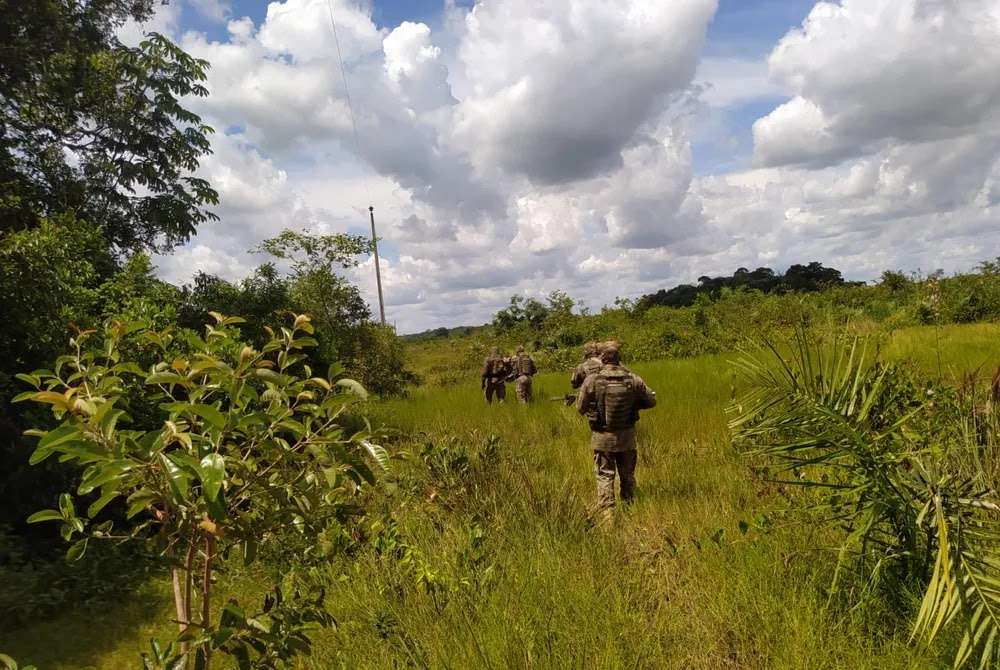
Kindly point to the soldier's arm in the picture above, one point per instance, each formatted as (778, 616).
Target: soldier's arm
(645, 397)
(585, 398)
(577, 377)
(534, 369)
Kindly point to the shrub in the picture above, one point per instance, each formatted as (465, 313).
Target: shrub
(249, 443)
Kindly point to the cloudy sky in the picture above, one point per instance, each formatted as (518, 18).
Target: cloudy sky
(603, 147)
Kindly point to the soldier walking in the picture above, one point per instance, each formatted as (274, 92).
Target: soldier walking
(611, 399)
(524, 368)
(493, 376)
(591, 364)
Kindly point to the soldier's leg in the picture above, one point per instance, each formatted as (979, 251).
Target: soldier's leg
(523, 388)
(489, 393)
(625, 461)
(604, 470)
(501, 391)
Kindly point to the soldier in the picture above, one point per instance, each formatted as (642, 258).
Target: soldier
(524, 368)
(494, 374)
(591, 364)
(611, 399)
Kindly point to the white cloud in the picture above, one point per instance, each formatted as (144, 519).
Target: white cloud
(535, 145)
(217, 10)
(165, 20)
(731, 81)
(559, 88)
(867, 71)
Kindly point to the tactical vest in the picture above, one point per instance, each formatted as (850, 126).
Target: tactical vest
(523, 365)
(591, 366)
(616, 407)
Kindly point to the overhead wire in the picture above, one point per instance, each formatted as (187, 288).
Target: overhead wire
(347, 92)
(357, 148)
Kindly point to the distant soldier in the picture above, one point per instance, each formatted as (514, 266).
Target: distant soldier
(611, 399)
(494, 374)
(591, 364)
(524, 369)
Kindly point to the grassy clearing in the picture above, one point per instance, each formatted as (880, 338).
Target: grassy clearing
(497, 565)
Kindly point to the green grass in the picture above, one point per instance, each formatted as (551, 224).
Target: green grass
(672, 583)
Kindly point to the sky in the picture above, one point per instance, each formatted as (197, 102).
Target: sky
(607, 148)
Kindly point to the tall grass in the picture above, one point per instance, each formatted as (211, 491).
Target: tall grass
(480, 552)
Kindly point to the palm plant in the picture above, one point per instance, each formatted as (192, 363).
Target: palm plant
(865, 441)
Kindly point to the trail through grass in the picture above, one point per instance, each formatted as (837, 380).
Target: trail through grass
(498, 565)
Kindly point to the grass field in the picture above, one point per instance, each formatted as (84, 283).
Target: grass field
(493, 560)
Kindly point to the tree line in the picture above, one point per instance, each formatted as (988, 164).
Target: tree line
(813, 276)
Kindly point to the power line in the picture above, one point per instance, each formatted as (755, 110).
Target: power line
(357, 148)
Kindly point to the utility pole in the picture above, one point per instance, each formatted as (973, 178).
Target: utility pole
(378, 271)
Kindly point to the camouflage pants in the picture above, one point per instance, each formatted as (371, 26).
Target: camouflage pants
(495, 389)
(606, 463)
(523, 388)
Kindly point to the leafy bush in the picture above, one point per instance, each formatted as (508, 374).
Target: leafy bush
(249, 443)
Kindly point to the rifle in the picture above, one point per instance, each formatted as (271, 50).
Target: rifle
(567, 399)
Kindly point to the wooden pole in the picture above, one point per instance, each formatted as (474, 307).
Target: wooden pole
(378, 271)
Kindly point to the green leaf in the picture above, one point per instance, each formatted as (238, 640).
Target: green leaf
(77, 551)
(103, 474)
(165, 378)
(271, 376)
(212, 415)
(101, 503)
(66, 506)
(34, 380)
(249, 551)
(128, 367)
(138, 501)
(64, 433)
(354, 387)
(213, 472)
(45, 515)
(176, 478)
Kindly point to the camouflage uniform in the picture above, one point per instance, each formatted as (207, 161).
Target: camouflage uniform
(524, 368)
(493, 376)
(614, 448)
(591, 364)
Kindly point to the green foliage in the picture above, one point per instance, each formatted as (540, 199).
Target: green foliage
(715, 322)
(250, 443)
(307, 251)
(97, 128)
(878, 453)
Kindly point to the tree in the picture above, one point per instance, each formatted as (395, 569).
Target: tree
(263, 298)
(95, 127)
(249, 446)
(342, 318)
(894, 280)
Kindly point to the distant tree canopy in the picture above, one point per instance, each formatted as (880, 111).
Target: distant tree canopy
(531, 311)
(812, 277)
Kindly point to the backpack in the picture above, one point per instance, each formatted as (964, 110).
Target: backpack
(524, 366)
(616, 410)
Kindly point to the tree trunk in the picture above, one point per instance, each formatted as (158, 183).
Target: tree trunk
(181, 578)
(206, 592)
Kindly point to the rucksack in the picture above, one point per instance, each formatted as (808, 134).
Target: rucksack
(524, 365)
(615, 393)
